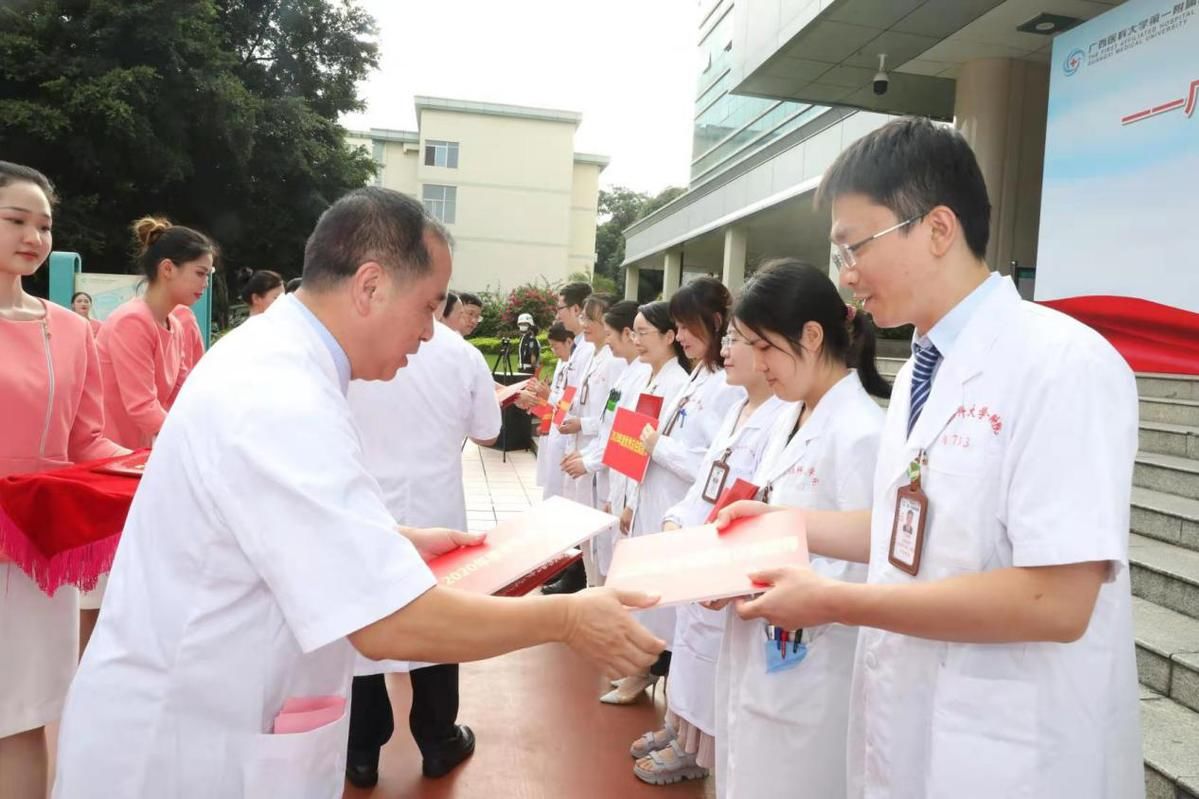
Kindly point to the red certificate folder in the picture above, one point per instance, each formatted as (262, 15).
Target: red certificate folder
(541, 576)
(563, 406)
(649, 405)
(520, 545)
(738, 491)
(624, 452)
(698, 563)
(507, 395)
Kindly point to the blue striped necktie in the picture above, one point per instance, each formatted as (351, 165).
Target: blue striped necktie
(922, 379)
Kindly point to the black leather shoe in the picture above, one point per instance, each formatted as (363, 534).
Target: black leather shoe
(446, 758)
(362, 776)
(573, 580)
(362, 767)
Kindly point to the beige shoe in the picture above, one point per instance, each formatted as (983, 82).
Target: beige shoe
(631, 689)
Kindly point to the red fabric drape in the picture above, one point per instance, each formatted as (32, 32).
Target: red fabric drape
(61, 527)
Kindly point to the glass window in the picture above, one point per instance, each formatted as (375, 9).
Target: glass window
(441, 153)
(442, 201)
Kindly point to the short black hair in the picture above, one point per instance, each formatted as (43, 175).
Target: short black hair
(451, 299)
(470, 299)
(574, 293)
(292, 285)
(558, 332)
(19, 173)
(369, 224)
(911, 166)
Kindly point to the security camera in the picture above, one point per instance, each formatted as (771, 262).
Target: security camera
(881, 79)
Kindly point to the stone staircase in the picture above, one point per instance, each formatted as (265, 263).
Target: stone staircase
(1164, 560)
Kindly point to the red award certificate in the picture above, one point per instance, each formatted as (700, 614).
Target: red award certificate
(738, 491)
(506, 395)
(520, 545)
(624, 452)
(650, 405)
(563, 406)
(698, 563)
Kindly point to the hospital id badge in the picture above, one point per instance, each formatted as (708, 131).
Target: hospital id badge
(714, 485)
(907, 529)
(613, 398)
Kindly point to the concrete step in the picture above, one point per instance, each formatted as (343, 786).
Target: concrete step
(1166, 517)
(1167, 652)
(1174, 411)
(1170, 737)
(1163, 386)
(1170, 439)
(1165, 575)
(1169, 474)
(889, 367)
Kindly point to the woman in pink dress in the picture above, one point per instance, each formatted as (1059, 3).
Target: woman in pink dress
(148, 345)
(50, 384)
(81, 304)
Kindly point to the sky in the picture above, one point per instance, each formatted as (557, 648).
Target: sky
(629, 66)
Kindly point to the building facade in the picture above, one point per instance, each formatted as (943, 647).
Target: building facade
(786, 85)
(507, 182)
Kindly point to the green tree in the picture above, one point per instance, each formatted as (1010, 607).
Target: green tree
(620, 207)
(221, 114)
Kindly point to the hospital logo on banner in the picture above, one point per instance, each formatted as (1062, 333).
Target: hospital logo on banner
(1172, 16)
(1073, 61)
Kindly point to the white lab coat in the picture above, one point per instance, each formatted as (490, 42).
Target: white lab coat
(549, 471)
(544, 466)
(601, 377)
(705, 399)
(799, 717)
(607, 482)
(698, 631)
(256, 543)
(1030, 432)
(413, 427)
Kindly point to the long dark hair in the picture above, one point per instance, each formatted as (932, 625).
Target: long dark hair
(658, 315)
(703, 304)
(786, 294)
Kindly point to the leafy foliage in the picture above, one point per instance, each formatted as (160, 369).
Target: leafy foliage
(220, 114)
(620, 207)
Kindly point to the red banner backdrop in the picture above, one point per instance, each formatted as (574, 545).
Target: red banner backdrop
(1151, 337)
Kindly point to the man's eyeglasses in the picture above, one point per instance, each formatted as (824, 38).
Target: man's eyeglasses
(844, 254)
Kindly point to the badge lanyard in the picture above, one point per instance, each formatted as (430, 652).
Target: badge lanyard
(911, 516)
(718, 474)
(680, 411)
(768, 489)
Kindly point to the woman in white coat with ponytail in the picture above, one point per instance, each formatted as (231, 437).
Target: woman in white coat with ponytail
(685, 747)
(783, 721)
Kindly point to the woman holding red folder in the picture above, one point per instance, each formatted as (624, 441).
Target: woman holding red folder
(793, 707)
(50, 382)
(689, 421)
(618, 335)
(685, 748)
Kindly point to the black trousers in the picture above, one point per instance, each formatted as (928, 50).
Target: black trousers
(431, 720)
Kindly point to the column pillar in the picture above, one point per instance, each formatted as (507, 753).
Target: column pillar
(1000, 106)
(733, 270)
(632, 279)
(672, 273)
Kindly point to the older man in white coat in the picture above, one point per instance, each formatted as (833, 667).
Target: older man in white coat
(413, 428)
(259, 556)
